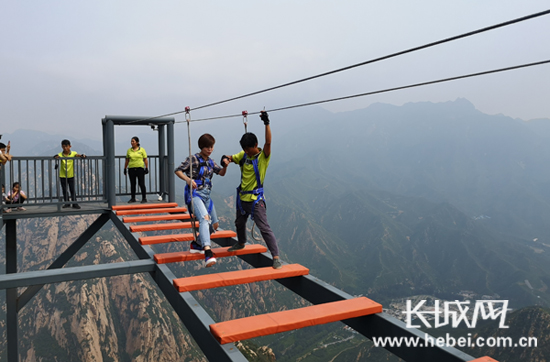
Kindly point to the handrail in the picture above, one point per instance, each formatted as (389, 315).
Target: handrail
(39, 178)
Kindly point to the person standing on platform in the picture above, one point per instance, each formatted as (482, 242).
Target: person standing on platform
(66, 172)
(137, 166)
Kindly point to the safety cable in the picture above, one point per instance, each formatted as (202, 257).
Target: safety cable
(190, 183)
(446, 40)
(384, 90)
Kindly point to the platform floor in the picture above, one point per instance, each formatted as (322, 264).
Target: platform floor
(48, 210)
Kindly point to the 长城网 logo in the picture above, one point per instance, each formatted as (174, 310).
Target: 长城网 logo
(456, 312)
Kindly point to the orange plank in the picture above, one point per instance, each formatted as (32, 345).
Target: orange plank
(151, 211)
(271, 323)
(217, 280)
(144, 206)
(220, 253)
(128, 219)
(148, 240)
(484, 359)
(154, 227)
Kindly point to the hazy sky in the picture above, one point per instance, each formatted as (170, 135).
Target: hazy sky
(66, 64)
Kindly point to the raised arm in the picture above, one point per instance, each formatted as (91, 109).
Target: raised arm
(267, 146)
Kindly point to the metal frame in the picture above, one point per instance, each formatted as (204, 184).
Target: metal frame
(166, 152)
(194, 317)
(190, 312)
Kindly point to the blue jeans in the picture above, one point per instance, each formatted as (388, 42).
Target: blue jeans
(200, 211)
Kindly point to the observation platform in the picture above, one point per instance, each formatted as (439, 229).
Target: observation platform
(102, 187)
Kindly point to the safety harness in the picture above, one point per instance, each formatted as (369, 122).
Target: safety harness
(204, 167)
(258, 190)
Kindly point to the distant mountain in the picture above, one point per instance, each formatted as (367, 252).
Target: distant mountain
(389, 246)
(389, 202)
(35, 143)
(444, 152)
(524, 323)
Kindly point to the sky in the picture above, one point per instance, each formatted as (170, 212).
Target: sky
(64, 65)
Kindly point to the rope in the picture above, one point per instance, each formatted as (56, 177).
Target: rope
(439, 42)
(193, 221)
(389, 89)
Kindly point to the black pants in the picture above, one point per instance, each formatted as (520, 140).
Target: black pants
(70, 183)
(138, 174)
(260, 218)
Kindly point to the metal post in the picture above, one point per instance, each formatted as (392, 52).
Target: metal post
(162, 155)
(170, 167)
(109, 149)
(11, 294)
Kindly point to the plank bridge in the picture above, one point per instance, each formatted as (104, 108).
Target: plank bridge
(216, 339)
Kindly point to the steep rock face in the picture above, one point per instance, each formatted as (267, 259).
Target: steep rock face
(530, 322)
(123, 318)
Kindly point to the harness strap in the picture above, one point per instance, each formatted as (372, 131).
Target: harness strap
(198, 181)
(258, 190)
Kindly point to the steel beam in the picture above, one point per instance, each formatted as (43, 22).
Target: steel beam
(30, 292)
(131, 238)
(41, 277)
(195, 318)
(11, 294)
(317, 291)
(109, 148)
(170, 168)
(162, 160)
(191, 313)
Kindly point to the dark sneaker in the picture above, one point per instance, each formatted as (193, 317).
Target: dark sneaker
(76, 206)
(66, 206)
(195, 248)
(209, 258)
(144, 201)
(131, 200)
(236, 247)
(277, 264)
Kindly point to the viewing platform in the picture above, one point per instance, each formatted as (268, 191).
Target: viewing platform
(103, 190)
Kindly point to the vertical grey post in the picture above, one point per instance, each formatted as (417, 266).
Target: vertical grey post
(109, 146)
(170, 168)
(162, 155)
(3, 182)
(11, 294)
(104, 163)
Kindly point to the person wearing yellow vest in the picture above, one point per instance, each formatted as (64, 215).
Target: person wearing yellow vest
(250, 193)
(66, 172)
(137, 166)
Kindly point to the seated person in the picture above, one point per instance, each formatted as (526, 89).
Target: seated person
(16, 196)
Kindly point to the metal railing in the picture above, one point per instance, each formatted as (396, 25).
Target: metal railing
(152, 182)
(39, 178)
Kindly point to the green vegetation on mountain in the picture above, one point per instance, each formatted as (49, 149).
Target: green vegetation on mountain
(388, 202)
